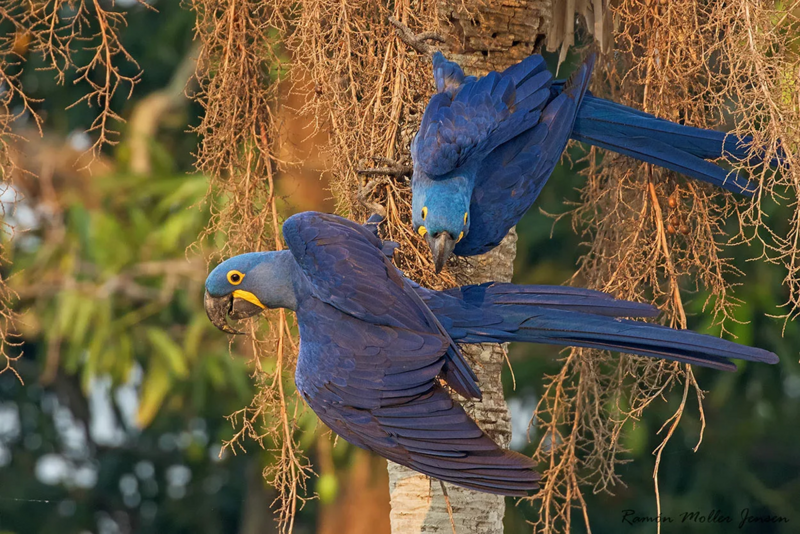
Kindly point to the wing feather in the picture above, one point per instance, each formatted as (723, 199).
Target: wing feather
(369, 369)
(468, 116)
(407, 417)
(512, 175)
(346, 268)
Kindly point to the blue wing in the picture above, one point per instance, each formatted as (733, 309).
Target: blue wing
(513, 126)
(511, 177)
(375, 386)
(370, 356)
(469, 117)
(344, 264)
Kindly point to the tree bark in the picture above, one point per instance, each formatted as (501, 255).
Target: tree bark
(485, 36)
(418, 505)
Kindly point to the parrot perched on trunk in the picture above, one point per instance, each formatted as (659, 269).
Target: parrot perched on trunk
(375, 348)
(486, 147)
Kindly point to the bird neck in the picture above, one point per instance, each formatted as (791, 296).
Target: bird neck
(464, 176)
(281, 282)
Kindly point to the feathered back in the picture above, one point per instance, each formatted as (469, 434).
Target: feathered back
(469, 117)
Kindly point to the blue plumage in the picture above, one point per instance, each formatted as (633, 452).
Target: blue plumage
(486, 147)
(373, 344)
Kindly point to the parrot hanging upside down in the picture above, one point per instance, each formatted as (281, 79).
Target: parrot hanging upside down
(486, 147)
(373, 343)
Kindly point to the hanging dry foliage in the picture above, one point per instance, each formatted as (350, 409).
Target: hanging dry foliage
(652, 235)
(55, 29)
(237, 75)
(649, 234)
(358, 90)
(368, 90)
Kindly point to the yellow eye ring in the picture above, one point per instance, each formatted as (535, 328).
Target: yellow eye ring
(466, 213)
(422, 231)
(424, 212)
(235, 277)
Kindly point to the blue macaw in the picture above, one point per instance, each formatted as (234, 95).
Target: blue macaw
(486, 147)
(373, 344)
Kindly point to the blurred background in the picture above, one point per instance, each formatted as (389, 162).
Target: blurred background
(119, 424)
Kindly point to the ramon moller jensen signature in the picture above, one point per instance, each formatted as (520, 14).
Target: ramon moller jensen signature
(630, 517)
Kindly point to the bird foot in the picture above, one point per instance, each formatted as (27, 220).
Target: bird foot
(390, 168)
(364, 197)
(416, 40)
(373, 224)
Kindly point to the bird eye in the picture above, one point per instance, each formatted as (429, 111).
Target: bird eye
(422, 231)
(465, 217)
(424, 212)
(235, 277)
(460, 237)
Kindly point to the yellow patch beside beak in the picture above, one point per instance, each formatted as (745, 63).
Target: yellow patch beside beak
(249, 297)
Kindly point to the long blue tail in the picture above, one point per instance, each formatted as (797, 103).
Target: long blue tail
(673, 146)
(497, 313)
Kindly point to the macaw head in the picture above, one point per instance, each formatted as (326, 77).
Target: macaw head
(440, 213)
(245, 285)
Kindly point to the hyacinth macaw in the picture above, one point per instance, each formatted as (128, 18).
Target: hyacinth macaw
(373, 343)
(486, 147)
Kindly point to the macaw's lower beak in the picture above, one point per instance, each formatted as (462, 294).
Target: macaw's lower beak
(219, 309)
(442, 245)
(245, 305)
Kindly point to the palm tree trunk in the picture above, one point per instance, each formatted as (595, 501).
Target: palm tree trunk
(481, 36)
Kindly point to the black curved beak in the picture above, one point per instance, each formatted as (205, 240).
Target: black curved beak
(441, 245)
(219, 309)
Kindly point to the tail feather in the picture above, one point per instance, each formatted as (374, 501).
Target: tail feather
(558, 315)
(592, 331)
(556, 297)
(681, 148)
(703, 143)
(663, 155)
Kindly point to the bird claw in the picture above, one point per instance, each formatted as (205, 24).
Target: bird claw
(416, 41)
(390, 168)
(374, 221)
(372, 224)
(363, 197)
